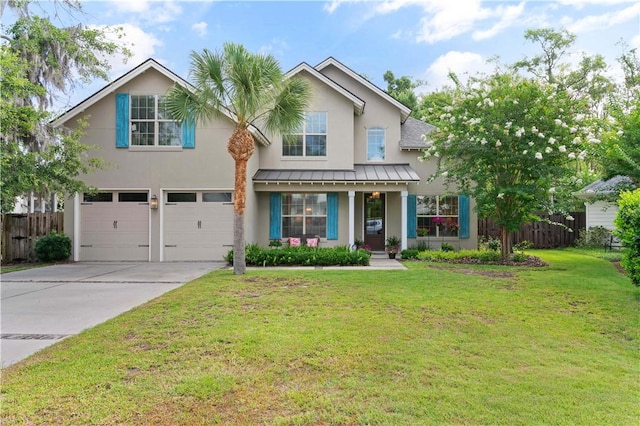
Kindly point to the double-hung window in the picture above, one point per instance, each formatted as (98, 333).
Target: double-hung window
(310, 139)
(375, 144)
(304, 214)
(151, 123)
(437, 215)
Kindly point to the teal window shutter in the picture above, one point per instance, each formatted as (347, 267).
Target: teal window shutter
(189, 133)
(122, 120)
(463, 216)
(332, 216)
(412, 216)
(275, 216)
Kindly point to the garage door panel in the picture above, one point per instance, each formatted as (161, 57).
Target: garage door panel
(114, 231)
(197, 230)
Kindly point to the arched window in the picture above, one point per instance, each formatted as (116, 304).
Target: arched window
(375, 144)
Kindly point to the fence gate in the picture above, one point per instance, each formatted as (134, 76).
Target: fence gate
(21, 231)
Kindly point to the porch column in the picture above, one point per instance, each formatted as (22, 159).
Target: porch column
(352, 218)
(76, 227)
(403, 226)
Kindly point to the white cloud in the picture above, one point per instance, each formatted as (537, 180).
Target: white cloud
(463, 64)
(276, 47)
(157, 12)
(508, 16)
(605, 20)
(200, 28)
(142, 46)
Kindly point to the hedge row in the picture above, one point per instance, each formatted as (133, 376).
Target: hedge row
(302, 256)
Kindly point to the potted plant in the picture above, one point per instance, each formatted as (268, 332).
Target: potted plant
(392, 246)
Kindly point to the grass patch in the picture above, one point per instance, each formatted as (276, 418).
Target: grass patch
(5, 269)
(436, 344)
(610, 255)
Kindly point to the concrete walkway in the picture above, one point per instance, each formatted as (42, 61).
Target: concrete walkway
(41, 306)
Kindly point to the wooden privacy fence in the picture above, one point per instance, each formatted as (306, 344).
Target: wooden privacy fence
(21, 231)
(541, 234)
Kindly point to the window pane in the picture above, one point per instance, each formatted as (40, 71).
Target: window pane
(427, 205)
(170, 134)
(163, 112)
(316, 226)
(216, 197)
(316, 145)
(375, 144)
(142, 133)
(181, 197)
(292, 145)
(291, 226)
(100, 197)
(133, 197)
(316, 122)
(292, 204)
(316, 204)
(142, 107)
(449, 206)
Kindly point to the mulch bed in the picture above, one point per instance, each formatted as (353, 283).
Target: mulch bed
(532, 261)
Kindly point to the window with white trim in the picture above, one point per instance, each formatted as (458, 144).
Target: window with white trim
(304, 214)
(310, 139)
(437, 215)
(375, 144)
(151, 123)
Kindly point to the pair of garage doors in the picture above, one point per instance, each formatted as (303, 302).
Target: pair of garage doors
(195, 225)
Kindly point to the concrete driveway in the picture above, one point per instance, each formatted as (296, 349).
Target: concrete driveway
(41, 306)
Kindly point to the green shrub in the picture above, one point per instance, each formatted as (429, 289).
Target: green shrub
(53, 247)
(594, 237)
(628, 230)
(523, 245)
(446, 247)
(489, 255)
(519, 257)
(303, 256)
(490, 244)
(409, 254)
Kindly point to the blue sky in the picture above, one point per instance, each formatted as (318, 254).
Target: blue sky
(423, 39)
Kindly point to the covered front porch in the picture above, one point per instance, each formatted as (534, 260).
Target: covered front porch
(366, 204)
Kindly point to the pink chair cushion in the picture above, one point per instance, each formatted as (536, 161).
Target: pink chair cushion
(294, 242)
(312, 242)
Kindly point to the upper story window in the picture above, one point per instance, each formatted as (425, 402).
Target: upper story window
(310, 139)
(151, 124)
(375, 144)
(437, 215)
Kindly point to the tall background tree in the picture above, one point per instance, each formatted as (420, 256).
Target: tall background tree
(40, 61)
(250, 89)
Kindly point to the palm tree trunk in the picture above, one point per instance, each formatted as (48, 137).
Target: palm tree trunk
(241, 147)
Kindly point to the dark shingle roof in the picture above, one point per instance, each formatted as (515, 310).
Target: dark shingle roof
(411, 133)
(385, 173)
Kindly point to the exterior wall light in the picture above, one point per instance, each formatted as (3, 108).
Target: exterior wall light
(153, 203)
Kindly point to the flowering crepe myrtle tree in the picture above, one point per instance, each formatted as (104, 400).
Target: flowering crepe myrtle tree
(510, 142)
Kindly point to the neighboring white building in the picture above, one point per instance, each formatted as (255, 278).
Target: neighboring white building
(600, 212)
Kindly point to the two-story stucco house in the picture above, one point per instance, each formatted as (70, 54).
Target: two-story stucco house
(351, 173)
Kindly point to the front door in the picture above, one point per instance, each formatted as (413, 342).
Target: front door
(374, 229)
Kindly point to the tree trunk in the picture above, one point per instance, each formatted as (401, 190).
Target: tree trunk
(241, 147)
(505, 240)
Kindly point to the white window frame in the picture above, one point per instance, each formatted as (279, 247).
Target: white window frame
(156, 123)
(304, 133)
(440, 230)
(384, 144)
(304, 214)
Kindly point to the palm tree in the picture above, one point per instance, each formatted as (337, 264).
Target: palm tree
(251, 90)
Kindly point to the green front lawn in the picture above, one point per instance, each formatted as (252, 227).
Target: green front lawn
(437, 344)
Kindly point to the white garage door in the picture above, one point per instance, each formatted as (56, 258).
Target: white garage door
(198, 225)
(114, 226)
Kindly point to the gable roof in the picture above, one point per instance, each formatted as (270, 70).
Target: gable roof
(126, 78)
(411, 134)
(405, 111)
(358, 104)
